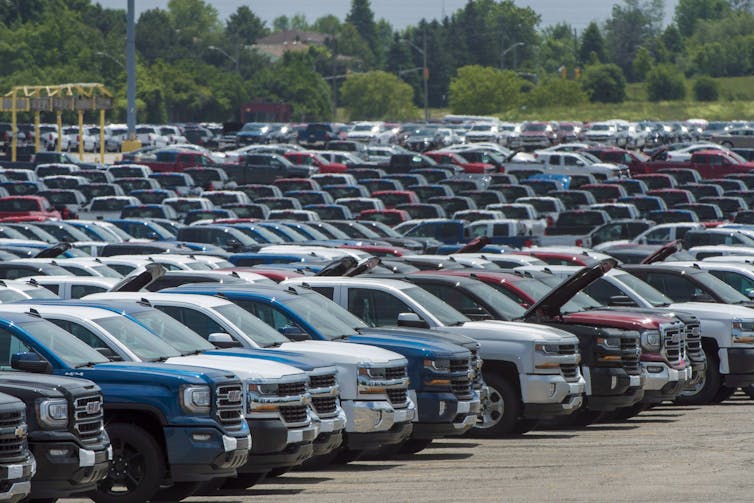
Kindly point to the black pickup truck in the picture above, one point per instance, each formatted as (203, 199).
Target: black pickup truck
(48, 158)
(265, 168)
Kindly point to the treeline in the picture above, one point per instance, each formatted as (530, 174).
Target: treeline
(194, 66)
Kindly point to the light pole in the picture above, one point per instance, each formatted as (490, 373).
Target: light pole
(234, 60)
(131, 75)
(425, 73)
(506, 51)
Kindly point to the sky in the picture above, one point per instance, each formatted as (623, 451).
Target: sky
(401, 13)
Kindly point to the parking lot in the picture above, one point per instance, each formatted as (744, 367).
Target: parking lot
(665, 454)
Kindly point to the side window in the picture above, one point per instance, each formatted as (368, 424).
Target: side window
(737, 281)
(376, 308)
(199, 322)
(53, 288)
(267, 314)
(78, 291)
(16, 272)
(75, 270)
(9, 345)
(81, 332)
(569, 160)
(326, 291)
(455, 298)
(675, 287)
(658, 236)
(601, 291)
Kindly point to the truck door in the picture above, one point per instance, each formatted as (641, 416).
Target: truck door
(375, 307)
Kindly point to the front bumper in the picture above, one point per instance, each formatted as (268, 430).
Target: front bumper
(663, 382)
(369, 441)
(212, 454)
(368, 417)
(548, 395)
(442, 414)
(15, 480)
(65, 468)
(610, 388)
(737, 366)
(277, 446)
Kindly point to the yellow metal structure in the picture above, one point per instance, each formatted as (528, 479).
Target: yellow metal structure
(57, 98)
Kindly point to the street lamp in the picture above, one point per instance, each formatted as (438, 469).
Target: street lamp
(110, 57)
(234, 60)
(425, 73)
(506, 51)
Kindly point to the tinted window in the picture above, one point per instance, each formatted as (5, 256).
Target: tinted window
(376, 308)
(199, 322)
(78, 291)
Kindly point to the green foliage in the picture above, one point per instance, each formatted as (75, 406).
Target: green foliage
(484, 90)
(378, 95)
(631, 25)
(642, 64)
(604, 83)
(665, 83)
(558, 47)
(244, 26)
(689, 12)
(350, 43)
(362, 19)
(556, 92)
(706, 89)
(592, 48)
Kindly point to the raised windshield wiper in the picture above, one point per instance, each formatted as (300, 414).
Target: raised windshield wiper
(88, 364)
(339, 338)
(274, 345)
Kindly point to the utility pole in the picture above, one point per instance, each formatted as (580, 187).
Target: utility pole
(131, 75)
(425, 75)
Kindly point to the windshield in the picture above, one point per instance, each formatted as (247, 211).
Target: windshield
(10, 295)
(722, 290)
(436, 307)
(40, 293)
(327, 317)
(70, 350)
(172, 331)
(504, 304)
(254, 328)
(579, 302)
(534, 127)
(383, 229)
(138, 339)
(645, 290)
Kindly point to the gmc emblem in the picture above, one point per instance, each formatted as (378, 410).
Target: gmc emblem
(234, 395)
(93, 407)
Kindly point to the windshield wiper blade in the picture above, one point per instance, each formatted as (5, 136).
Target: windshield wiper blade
(88, 364)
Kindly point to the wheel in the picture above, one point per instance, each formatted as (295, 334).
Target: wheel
(413, 446)
(244, 481)
(723, 394)
(137, 468)
(501, 410)
(177, 492)
(705, 390)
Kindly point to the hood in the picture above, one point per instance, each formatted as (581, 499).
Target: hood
(617, 319)
(549, 305)
(345, 353)
(712, 311)
(47, 385)
(422, 333)
(473, 246)
(411, 347)
(338, 267)
(664, 252)
(139, 373)
(240, 366)
(497, 330)
(137, 280)
(306, 362)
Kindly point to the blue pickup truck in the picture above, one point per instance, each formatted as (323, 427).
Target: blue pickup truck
(169, 425)
(440, 372)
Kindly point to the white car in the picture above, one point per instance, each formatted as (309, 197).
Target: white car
(684, 154)
(150, 136)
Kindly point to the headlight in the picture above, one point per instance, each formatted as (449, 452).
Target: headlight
(263, 389)
(53, 413)
(439, 365)
(549, 349)
(742, 331)
(372, 373)
(196, 399)
(609, 342)
(650, 340)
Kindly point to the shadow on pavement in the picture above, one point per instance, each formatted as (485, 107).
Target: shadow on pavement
(452, 445)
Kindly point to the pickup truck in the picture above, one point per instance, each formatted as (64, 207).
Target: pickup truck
(709, 164)
(439, 372)
(531, 371)
(184, 425)
(404, 163)
(637, 162)
(72, 455)
(568, 163)
(32, 207)
(508, 232)
(574, 227)
(257, 168)
(165, 160)
(49, 158)
(17, 464)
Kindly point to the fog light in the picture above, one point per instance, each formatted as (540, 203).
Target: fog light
(201, 437)
(59, 452)
(553, 388)
(613, 382)
(442, 407)
(654, 369)
(379, 419)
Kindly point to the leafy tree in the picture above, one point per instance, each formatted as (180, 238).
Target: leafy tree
(162, 40)
(642, 64)
(689, 12)
(592, 43)
(665, 82)
(558, 47)
(605, 83)
(244, 26)
(673, 42)
(299, 22)
(350, 43)
(484, 90)
(362, 18)
(197, 20)
(327, 24)
(706, 89)
(556, 92)
(378, 95)
(281, 23)
(631, 24)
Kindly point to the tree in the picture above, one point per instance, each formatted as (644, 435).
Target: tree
(558, 47)
(642, 64)
(605, 83)
(592, 43)
(350, 43)
(673, 42)
(326, 24)
(556, 92)
(630, 26)
(281, 23)
(689, 12)
(665, 82)
(706, 89)
(484, 90)
(196, 19)
(378, 95)
(362, 18)
(244, 26)
(162, 41)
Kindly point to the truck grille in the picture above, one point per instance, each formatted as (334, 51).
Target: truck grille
(569, 370)
(230, 407)
(462, 387)
(567, 349)
(325, 406)
(398, 397)
(476, 364)
(672, 338)
(291, 388)
(395, 373)
(630, 352)
(459, 365)
(88, 416)
(323, 381)
(13, 437)
(693, 338)
(294, 414)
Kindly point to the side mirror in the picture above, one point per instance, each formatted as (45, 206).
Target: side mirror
(153, 235)
(621, 300)
(701, 297)
(30, 362)
(750, 294)
(294, 333)
(233, 245)
(411, 320)
(579, 163)
(223, 340)
(109, 354)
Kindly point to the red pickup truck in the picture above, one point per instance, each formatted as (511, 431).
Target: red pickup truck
(452, 158)
(314, 159)
(637, 162)
(31, 207)
(173, 160)
(709, 164)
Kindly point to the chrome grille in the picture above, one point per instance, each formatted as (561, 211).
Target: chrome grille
(230, 407)
(323, 381)
(693, 338)
(293, 414)
(672, 338)
(88, 417)
(398, 397)
(395, 373)
(13, 437)
(10, 419)
(325, 406)
(567, 349)
(291, 388)
(569, 370)
(459, 365)
(630, 353)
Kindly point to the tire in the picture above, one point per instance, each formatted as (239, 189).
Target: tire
(177, 492)
(707, 388)
(244, 481)
(138, 458)
(414, 445)
(501, 413)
